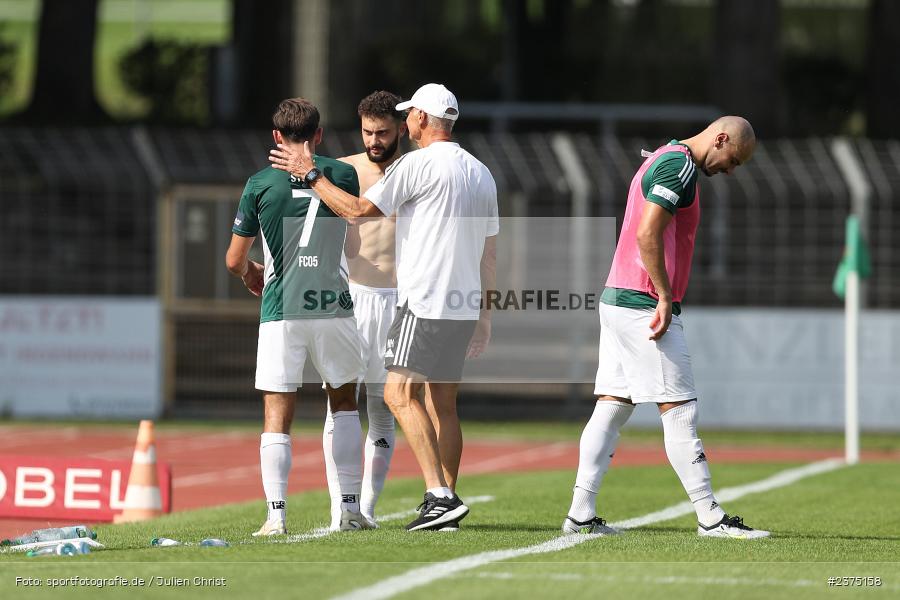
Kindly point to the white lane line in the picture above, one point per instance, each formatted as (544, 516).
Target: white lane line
(210, 477)
(728, 494)
(120, 453)
(504, 461)
(13, 436)
(325, 531)
(319, 532)
(432, 572)
(174, 446)
(174, 442)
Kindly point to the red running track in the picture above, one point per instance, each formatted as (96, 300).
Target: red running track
(210, 468)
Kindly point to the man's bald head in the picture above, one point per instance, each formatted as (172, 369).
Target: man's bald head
(738, 130)
(725, 144)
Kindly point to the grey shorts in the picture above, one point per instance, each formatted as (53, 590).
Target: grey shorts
(435, 348)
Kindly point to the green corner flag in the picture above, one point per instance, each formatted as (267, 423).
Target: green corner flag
(856, 257)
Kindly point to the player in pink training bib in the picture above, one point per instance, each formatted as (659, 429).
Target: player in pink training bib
(643, 355)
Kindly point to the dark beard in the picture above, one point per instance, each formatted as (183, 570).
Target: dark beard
(388, 154)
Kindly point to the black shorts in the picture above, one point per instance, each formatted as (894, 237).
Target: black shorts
(435, 348)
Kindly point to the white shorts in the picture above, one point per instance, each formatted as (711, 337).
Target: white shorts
(635, 367)
(332, 344)
(374, 309)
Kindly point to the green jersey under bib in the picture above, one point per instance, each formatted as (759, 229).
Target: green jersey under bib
(303, 242)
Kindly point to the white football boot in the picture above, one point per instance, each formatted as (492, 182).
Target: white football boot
(731, 527)
(354, 521)
(271, 527)
(591, 526)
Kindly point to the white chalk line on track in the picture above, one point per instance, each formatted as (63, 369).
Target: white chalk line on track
(490, 465)
(11, 437)
(177, 445)
(505, 461)
(421, 576)
(212, 477)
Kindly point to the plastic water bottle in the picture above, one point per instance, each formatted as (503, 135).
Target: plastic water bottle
(66, 549)
(52, 534)
(214, 542)
(163, 542)
(82, 547)
(63, 549)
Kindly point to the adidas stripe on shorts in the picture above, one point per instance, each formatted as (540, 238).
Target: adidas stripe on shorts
(435, 348)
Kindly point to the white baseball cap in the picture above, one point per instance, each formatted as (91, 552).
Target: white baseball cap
(435, 99)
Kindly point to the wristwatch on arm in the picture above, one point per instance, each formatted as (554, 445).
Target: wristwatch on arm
(311, 176)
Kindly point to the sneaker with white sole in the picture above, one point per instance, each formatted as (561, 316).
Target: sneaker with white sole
(435, 512)
(451, 526)
(271, 527)
(591, 526)
(354, 521)
(731, 527)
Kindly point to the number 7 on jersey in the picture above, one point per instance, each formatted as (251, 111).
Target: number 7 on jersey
(308, 224)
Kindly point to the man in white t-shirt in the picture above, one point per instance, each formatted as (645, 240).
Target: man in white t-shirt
(445, 201)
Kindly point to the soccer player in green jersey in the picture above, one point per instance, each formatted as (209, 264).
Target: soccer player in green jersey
(445, 201)
(306, 310)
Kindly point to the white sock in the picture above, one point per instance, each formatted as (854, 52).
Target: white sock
(440, 492)
(275, 465)
(598, 444)
(346, 451)
(331, 473)
(378, 453)
(685, 452)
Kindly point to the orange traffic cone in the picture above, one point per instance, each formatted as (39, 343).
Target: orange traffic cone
(142, 497)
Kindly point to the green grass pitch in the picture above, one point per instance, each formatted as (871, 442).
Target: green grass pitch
(836, 524)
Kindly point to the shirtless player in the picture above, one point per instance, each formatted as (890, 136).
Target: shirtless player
(373, 286)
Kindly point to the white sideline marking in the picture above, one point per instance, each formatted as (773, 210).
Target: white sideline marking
(319, 532)
(728, 494)
(325, 531)
(432, 572)
(504, 461)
